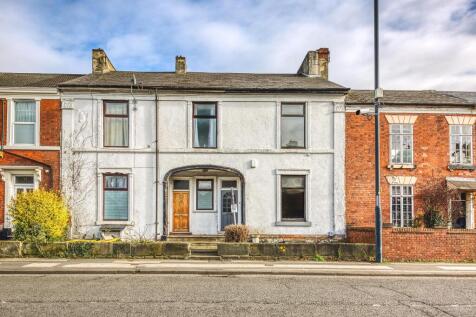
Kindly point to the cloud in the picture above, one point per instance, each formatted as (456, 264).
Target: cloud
(425, 44)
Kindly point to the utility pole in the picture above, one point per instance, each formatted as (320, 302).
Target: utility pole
(378, 93)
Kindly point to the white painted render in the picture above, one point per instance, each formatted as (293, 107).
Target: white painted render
(248, 130)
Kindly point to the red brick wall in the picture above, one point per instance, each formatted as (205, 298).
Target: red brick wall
(431, 157)
(50, 122)
(50, 128)
(411, 244)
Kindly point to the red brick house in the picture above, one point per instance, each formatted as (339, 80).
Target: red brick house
(30, 121)
(427, 138)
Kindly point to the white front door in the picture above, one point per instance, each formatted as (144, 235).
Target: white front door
(20, 184)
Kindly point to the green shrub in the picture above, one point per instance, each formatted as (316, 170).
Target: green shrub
(39, 216)
(236, 233)
(433, 218)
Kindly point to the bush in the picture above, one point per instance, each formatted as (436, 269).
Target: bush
(39, 216)
(236, 233)
(433, 218)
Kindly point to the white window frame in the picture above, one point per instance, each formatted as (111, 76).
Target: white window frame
(401, 134)
(307, 198)
(11, 126)
(460, 136)
(100, 195)
(401, 224)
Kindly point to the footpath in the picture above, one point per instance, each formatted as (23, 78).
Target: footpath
(230, 267)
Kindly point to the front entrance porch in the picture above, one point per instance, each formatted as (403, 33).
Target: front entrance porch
(202, 200)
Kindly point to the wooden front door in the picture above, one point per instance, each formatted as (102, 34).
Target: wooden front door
(181, 211)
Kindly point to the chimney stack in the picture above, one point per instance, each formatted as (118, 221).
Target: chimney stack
(316, 64)
(100, 62)
(180, 65)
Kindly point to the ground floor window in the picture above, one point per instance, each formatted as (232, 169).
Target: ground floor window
(402, 205)
(23, 183)
(204, 194)
(116, 197)
(293, 192)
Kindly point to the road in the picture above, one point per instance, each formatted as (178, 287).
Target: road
(235, 295)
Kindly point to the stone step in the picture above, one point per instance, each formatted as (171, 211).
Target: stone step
(196, 238)
(205, 256)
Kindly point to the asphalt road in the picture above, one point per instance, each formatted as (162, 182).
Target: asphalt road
(194, 295)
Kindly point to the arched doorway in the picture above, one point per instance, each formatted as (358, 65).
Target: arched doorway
(202, 199)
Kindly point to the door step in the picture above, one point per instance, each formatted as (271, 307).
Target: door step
(195, 238)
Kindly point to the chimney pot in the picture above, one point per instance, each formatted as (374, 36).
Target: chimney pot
(316, 64)
(180, 65)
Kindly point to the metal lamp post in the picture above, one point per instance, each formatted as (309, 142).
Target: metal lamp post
(378, 93)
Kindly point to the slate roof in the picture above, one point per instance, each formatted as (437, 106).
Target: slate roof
(407, 97)
(207, 81)
(34, 79)
(467, 95)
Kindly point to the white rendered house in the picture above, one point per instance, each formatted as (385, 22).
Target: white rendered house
(266, 150)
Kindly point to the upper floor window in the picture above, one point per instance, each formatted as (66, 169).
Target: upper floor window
(116, 124)
(116, 197)
(293, 192)
(205, 125)
(293, 126)
(402, 205)
(401, 143)
(461, 144)
(24, 125)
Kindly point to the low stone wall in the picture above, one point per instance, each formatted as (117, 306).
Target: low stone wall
(421, 244)
(96, 249)
(327, 251)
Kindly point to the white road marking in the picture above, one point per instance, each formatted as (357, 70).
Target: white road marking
(99, 266)
(39, 264)
(458, 268)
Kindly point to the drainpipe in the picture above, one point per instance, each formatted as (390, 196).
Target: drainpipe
(157, 187)
(3, 126)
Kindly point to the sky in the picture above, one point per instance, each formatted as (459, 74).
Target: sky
(425, 44)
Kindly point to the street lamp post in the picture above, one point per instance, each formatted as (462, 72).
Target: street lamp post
(378, 93)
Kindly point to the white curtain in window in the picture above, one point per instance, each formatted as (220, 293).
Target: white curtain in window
(116, 132)
(25, 111)
(25, 120)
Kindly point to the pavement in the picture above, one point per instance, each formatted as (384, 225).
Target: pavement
(231, 267)
(234, 295)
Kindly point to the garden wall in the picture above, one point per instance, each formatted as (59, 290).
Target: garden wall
(421, 244)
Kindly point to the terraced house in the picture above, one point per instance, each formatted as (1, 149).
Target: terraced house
(30, 128)
(187, 153)
(427, 162)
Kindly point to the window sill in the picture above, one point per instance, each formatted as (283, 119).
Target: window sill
(204, 211)
(107, 223)
(293, 224)
(452, 167)
(401, 166)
